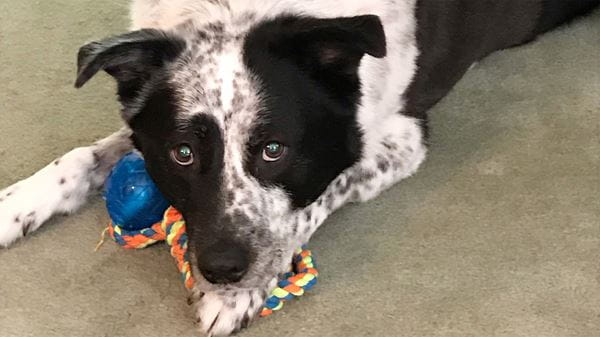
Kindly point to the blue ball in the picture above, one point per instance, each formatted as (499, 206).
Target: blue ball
(132, 199)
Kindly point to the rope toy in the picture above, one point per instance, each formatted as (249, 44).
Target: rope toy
(132, 199)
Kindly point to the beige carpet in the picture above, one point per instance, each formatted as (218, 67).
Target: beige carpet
(498, 235)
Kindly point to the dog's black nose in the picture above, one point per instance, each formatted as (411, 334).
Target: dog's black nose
(223, 262)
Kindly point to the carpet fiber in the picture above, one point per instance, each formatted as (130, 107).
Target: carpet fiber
(497, 235)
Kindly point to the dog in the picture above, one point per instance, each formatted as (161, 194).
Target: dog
(259, 118)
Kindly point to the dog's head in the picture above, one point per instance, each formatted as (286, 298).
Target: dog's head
(242, 125)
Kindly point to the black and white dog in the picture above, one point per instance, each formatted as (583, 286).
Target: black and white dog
(259, 118)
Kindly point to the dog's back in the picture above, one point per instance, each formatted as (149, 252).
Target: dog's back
(453, 34)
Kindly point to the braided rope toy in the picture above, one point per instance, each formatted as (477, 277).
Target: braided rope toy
(172, 230)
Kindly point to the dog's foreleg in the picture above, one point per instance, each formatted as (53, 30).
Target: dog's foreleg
(393, 151)
(59, 188)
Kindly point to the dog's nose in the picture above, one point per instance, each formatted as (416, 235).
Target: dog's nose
(223, 262)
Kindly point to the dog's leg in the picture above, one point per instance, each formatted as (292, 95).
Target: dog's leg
(59, 188)
(393, 152)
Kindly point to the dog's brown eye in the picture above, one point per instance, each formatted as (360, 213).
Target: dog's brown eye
(273, 151)
(183, 155)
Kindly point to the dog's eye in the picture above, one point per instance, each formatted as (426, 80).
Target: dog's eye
(183, 155)
(273, 151)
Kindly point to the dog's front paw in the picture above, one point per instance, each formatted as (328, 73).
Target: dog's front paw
(222, 313)
(59, 187)
(18, 212)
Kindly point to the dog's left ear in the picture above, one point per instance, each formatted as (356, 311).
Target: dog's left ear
(325, 47)
(328, 50)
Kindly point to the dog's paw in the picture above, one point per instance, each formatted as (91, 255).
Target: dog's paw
(60, 187)
(224, 313)
(21, 211)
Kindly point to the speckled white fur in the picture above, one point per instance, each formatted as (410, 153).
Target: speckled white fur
(59, 188)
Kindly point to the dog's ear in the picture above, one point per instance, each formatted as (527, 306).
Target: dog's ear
(130, 58)
(328, 50)
(338, 42)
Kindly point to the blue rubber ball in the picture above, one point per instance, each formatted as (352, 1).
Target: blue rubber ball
(132, 199)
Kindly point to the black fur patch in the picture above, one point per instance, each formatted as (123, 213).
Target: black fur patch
(452, 34)
(309, 69)
(191, 189)
(557, 12)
